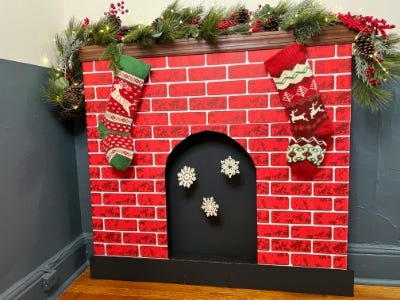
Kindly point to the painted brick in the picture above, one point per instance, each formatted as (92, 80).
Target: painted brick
(169, 104)
(226, 58)
(221, 128)
(340, 233)
(152, 226)
(262, 187)
(168, 75)
(162, 239)
(267, 116)
(95, 198)
(264, 85)
(187, 89)
(112, 173)
(97, 78)
(226, 87)
(273, 258)
(311, 232)
(143, 106)
(248, 101)
(186, 60)
(343, 82)
(92, 133)
(161, 213)
(260, 159)
(153, 252)
(137, 185)
(278, 159)
(333, 66)
(107, 236)
(344, 50)
(246, 71)
(156, 62)
(138, 212)
(263, 244)
(329, 189)
(268, 144)
(103, 92)
(149, 172)
(330, 247)
(106, 211)
(340, 262)
(104, 185)
(122, 250)
(120, 224)
(342, 143)
(342, 174)
(248, 130)
(227, 117)
(160, 159)
(207, 73)
(312, 261)
(170, 131)
(341, 204)
(321, 218)
(290, 217)
(102, 65)
(95, 106)
(261, 55)
(343, 113)
(152, 199)
(325, 82)
(151, 119)
(87, 66)
(323, 174)
(139, 238)
(142, 159)
(208, 103)
(274, 174)
(291, 245)
(93, 146)
(262, 216)
(89, 93)
(273, 230)
(307, 203)
(97, 224)
(141, 132)
(288, 188)
(160, 186)
(270, 202)
(275, 100)
(152, 145)
(336, 97)
(281, 129)
(99, 249)
(342, 128)
(94, 173)
(154, 90)
(188, 118)
(320, 51)
(119, 199)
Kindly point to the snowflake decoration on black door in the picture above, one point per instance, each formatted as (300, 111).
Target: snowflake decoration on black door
(186, 176)
(210, 207)
(229, 166)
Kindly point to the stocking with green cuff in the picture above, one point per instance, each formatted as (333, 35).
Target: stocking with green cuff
(311, 127)
(115, 127)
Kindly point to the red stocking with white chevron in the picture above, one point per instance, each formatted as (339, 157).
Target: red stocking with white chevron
(311, 127)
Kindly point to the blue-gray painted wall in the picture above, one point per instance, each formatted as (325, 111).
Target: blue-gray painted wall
(39, 198)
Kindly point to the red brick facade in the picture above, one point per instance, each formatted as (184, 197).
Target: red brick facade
(299, 223)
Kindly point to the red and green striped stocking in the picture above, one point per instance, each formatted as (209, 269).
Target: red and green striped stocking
(115, 127)
(311, 127)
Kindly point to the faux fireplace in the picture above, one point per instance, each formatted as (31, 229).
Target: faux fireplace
(209, 93)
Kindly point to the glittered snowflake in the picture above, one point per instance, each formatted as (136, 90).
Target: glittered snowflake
(186, 176)
(209, 206)
(229, 166)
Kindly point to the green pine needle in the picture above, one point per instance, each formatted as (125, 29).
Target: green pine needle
(208, 27)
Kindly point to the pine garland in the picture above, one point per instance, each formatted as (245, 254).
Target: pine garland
(305, 19)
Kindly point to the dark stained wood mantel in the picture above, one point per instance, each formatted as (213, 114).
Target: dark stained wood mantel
(337, 34)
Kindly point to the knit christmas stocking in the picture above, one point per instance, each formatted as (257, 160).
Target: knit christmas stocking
(310, 124)
(115, 127)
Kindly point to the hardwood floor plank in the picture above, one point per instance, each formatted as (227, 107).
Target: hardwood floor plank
(85, 288)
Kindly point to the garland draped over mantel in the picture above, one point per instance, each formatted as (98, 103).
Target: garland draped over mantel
(375, 52)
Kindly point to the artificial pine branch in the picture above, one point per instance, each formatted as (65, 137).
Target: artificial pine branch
(113, 53)
(102, 32)
(142, 35)
(371, 97)
(208, 26)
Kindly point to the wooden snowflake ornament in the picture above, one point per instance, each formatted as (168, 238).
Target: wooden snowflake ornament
(229, 166)
(210, 207)
(186, 176)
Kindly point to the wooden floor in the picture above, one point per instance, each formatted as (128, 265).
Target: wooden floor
(85, 288)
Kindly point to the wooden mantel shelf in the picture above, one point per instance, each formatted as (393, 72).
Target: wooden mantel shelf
(337, 34)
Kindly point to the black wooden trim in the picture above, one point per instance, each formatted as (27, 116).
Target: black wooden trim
(234, 275)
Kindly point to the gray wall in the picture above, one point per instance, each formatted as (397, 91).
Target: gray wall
(39, 197)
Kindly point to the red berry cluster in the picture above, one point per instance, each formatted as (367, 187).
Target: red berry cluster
(256, 26)
(114, 9)
(225, 23)
(367, 24)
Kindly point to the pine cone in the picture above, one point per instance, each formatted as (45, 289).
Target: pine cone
(272, 23)
(365, 45)
(114, 20)
(123, 30)
(243, 16)
(64, 114)
(74, 96)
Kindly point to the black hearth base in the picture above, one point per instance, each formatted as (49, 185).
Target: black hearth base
(234, 275)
